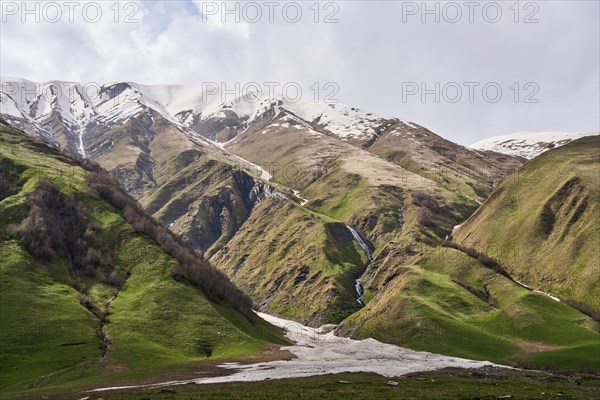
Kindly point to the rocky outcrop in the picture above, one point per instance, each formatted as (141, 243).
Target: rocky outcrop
(210, 221)
(339, 232)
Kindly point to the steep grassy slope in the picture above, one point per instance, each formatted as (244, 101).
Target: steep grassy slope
(450, 303)
(542, 223)
(304, 256)
(65, 324)
(442, 300)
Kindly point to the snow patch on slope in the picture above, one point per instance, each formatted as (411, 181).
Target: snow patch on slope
(319, 351)
(528, 144)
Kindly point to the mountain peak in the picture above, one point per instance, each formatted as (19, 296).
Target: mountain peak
(528, 144)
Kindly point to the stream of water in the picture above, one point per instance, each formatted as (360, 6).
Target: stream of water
(358, 286)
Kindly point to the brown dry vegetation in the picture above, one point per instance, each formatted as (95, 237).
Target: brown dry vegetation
(57, 226)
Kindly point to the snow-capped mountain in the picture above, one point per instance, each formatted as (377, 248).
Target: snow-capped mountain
(74, 109)
(118, 124)
(527, 144)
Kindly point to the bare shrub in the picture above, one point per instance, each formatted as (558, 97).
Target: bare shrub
(423, 199)
(424, 219)
(39, 233)
(583, 308)
(10, 181)
(115, 279)
(57, 227)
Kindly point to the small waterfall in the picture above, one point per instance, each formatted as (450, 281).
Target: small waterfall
(403, 213)
(302, 200)
(358, 286)
(361, 242)
(80, 146)
(359, 291)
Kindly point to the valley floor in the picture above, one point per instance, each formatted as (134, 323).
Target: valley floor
(320, 352)
(450, 383)
(323, 365)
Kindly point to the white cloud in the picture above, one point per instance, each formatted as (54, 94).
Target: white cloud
(370, 53)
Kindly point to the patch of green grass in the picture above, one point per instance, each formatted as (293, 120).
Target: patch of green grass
(445, 384)
(582, 356)
(44, 328)
(431, 309)
(339, 196)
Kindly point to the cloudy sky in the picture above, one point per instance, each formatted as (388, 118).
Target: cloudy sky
(466, 70)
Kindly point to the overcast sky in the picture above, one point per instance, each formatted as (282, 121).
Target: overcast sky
(544, 56)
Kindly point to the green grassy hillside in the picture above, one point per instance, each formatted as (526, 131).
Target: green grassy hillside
(452, 304)
(118, 312)
(542, 223)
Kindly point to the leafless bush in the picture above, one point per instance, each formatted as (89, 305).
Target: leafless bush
(115, 279)
(424, 219)
(583, 308)
(39, 232)
(423, 199)
(57, 227)
(10, 182)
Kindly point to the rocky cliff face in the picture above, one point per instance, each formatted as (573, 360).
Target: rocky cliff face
(212, 219)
